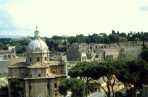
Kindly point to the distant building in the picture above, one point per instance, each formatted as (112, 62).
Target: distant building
(8, 54)
(102, 52)
(5, 57)
(91, 52)
(38, 76)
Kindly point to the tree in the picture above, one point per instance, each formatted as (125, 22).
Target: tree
(107, 72)
(76, 86)
(144, 55)
(82, 70)
(4, 91)
(93, 71)
(132, 73)
(113, 37)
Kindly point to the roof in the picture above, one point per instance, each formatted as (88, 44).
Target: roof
(18, 65)
(4, 51)
(50, 77)
(53, 63)
(34, 78)
(36, 65)
(17, 60)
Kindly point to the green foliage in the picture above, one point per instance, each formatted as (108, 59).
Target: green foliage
(60, 43)
(118, 94)
(56, 43)
(17, 86)
(94, 70)
(128, 72)
(114, 37)
(144, 55)
(76, 86)
(4, 91)
(132, 72)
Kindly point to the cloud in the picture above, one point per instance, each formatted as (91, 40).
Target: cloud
(8, 25)
(71, 17)
(144, 8)
(2, 2)
(6, 22)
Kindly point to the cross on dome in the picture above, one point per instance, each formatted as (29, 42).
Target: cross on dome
(36, 33)
(36, 28)
(37, 44)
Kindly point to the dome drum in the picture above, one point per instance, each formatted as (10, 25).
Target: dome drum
(37, 50)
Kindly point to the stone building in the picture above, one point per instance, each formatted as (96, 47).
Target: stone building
(92, 52)
(100, 52)
(38, 76)
(10, 53)
(5, 57)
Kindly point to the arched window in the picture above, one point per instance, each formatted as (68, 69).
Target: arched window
(30, 86)
(39, 75)
(55, 85)
(45, 58)
(30, 59)
(96, 56)
(38, 59)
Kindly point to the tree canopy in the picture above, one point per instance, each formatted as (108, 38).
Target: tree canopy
(76, 86)
(144, 55)
(129, 72)
(60, 43)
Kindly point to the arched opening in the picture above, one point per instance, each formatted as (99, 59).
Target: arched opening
(30, 59)
(45, 58)
(39, 75)
(38, 59)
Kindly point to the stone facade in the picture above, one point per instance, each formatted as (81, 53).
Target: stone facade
(10, 53)
(5, 57)
(38, 76)
(102, 52)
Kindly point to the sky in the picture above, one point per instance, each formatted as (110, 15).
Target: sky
(72, 17)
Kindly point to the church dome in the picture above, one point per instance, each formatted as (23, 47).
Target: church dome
(37, 45)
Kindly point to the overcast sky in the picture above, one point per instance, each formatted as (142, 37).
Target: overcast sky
(72, 17)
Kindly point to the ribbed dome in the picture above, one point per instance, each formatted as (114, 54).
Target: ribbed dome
(37, 45)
